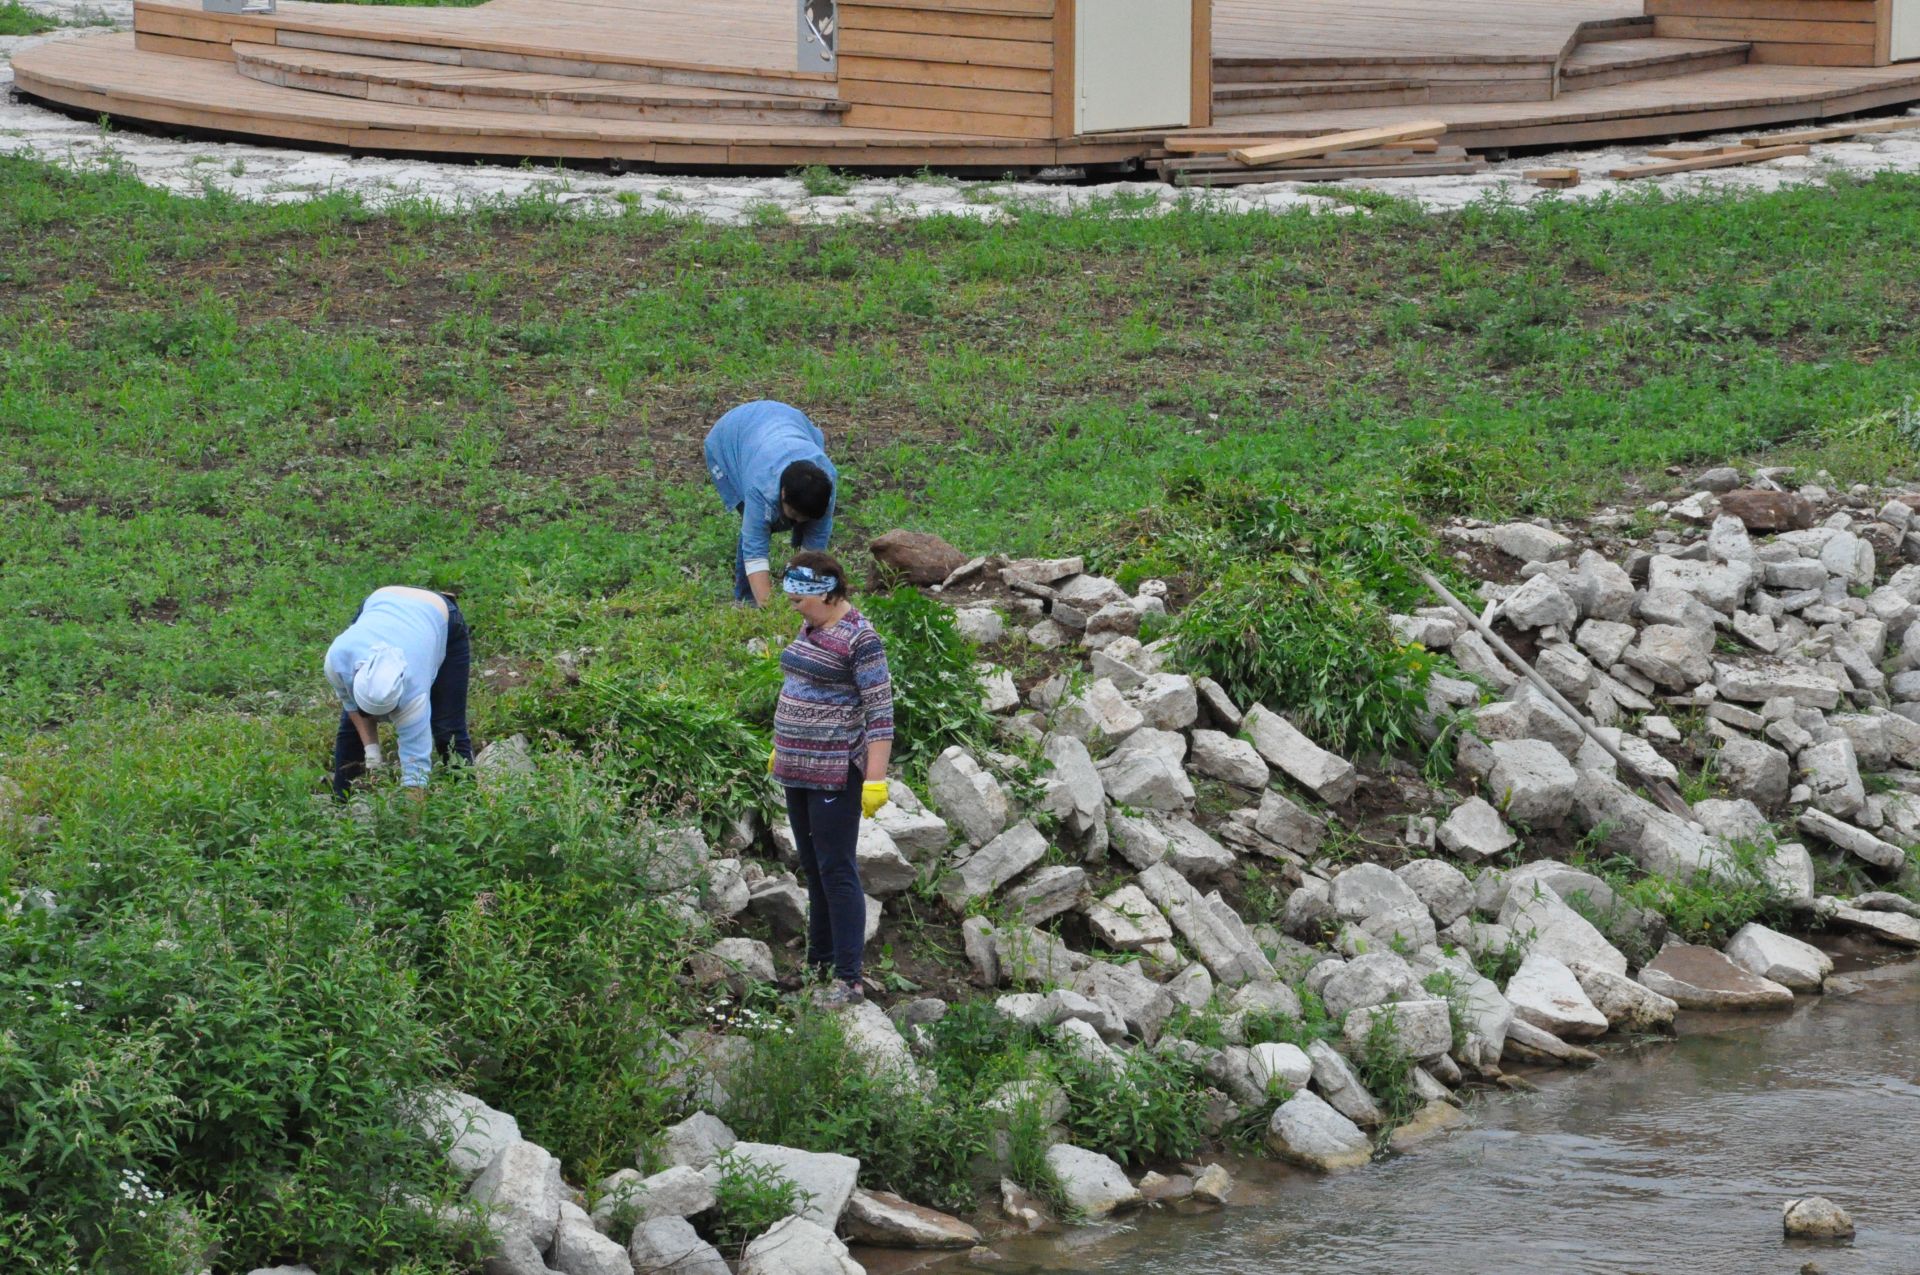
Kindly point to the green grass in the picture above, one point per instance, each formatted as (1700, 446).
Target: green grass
(221, 425)
(17, 19)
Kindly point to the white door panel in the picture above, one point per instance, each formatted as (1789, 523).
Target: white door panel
(1906, 29)
(1133, 64)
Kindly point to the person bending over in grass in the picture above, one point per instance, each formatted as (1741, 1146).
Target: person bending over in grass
(770, 466)
(832, 737)
(405, 659)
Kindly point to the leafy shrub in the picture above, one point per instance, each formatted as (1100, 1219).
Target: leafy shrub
(1386, 1068)
(974, 1044)
(749, 1198)
(1450, 476)
(1147, 1108)
(675, 753)
(1296, 616)
(802, 1085)
(936, 694)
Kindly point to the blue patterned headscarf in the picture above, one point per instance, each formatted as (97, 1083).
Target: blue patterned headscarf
(804, 582)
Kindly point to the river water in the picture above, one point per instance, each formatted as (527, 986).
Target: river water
(1669, 1158)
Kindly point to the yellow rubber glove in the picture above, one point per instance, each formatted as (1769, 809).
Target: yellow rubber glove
(771, 754)
(873, 795)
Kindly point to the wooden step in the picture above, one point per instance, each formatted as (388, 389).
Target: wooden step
(457, 87)
(1307, 95)
(1602, 62)
(1454, 78)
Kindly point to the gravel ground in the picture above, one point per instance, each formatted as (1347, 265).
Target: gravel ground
(279, 175)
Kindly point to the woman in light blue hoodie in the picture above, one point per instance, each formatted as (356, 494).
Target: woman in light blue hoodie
(406, 659)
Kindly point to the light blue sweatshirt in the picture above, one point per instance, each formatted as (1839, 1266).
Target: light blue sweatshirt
(747, 451)
(403, 619)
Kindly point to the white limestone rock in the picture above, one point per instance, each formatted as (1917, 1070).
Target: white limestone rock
(1545, 993)
(1282, 746)
(1779, 957)
(1307, 1131)
(1093, 1184)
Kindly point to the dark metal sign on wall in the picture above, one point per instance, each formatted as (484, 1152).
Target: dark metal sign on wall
(819, 33)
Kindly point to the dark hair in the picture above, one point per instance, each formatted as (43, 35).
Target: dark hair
(823, 564)
(806, 487)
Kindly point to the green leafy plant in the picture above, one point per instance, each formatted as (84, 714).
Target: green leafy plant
(1147, 1107)
(1386, 1068)
(748, 1199)
(936, 694)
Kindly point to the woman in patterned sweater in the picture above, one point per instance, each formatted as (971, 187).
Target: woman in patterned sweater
(832, 736)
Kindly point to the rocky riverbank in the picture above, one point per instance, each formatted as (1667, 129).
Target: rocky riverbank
(1753, 641)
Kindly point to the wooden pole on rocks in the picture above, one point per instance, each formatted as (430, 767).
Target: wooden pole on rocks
(1662, 792)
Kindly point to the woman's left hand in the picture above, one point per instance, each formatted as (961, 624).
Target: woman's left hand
(873, 795)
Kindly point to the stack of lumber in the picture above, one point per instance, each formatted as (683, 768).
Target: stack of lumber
(1402, 150)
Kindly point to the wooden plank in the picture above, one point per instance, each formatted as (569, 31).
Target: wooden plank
(958, 123)
(1767, 31)
(1017, 8)
(1788, 10)
(1332, 159)
(1834, 133)
(174, 46)
(1249, 177)
(929, 20)
(1690, 152)
(1206, 145)
(1201, 113)
(1757, 155)
(1253, 156)
(896, 44)
(1812, 54)
(939, 97)
(1066, 83)
(184, 26)
(1553, 178)
(953, 74)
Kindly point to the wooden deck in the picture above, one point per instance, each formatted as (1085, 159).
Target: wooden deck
(714, 84)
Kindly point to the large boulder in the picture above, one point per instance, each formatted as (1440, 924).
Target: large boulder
(797, 1246)
(1309, 1132)
(1231, 761)
(967, 796)
(1779, 958)
(1531, 781)
(1627, 1006)
(918, 557)
(1443, 888)
(825, 1180)
(1695, 977)
(1127, 920)
(472, 1132)
(522, 1189)
(887, 1221)
(1424, 1028)
(1093, 1184)
(670, 1246)
(697, 1141)
(1226, 949)
(1545, 993)
(1326, 775)
(1337, 1082)
(1147, 779)
(993, 865)
(1542, 922)
(578, 1249)
(1374, 978)
(1475, 831)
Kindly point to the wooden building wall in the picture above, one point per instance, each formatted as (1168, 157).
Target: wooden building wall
(1797, 32)
(995, 68)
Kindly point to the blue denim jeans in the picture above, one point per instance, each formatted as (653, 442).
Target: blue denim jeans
(446, 702)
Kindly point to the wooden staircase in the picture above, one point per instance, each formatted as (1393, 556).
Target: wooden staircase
(457, 86)
(1600, 54)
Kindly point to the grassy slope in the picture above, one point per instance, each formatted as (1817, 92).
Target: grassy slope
(227, 423)
(223, 424)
